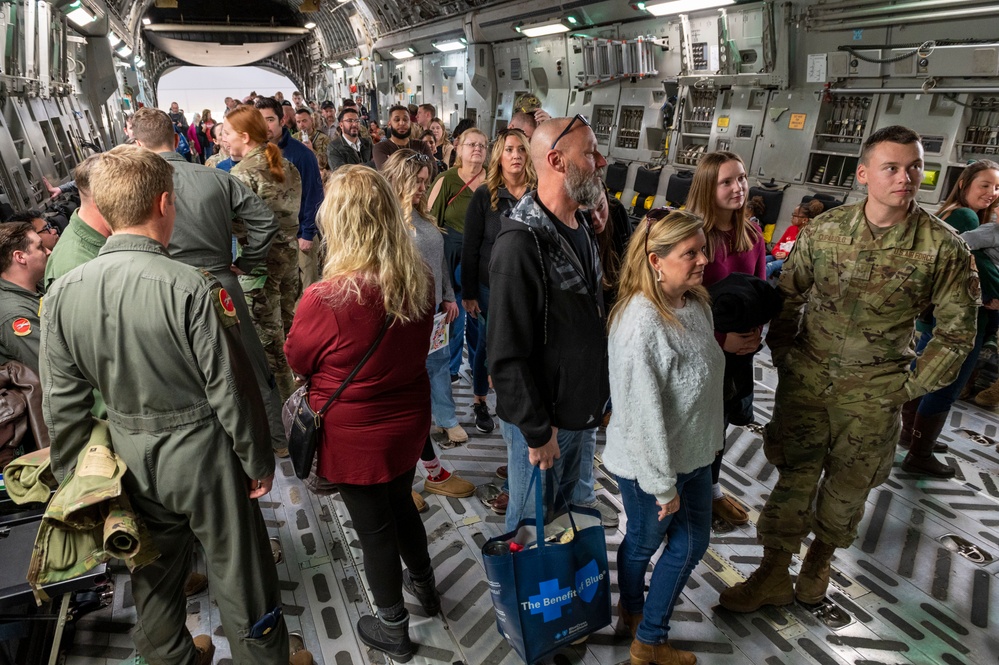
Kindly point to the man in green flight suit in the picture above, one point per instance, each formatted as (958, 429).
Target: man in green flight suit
(160, 340)
(209, 202)
(23, 255)
(853, 285)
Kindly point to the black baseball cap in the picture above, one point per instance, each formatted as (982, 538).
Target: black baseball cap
(328, 105)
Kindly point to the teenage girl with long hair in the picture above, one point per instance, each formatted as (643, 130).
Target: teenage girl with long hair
(718, 195)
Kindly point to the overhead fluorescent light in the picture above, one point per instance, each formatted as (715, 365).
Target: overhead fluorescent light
(310, 25)
(336, 65)
(146, 21)
(79, 15)
(402, 54)
(124, 51)
(451, 45)
(114, 39)
(685, 6)
(139, 63)
(541, 29)
(351, 62)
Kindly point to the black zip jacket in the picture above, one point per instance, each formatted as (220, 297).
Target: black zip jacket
(547, 339)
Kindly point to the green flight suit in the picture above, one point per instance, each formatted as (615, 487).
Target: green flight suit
(272, 290)
(78, 244)
(842, 347)
(208, 203)
(19, 330)
(159, 340)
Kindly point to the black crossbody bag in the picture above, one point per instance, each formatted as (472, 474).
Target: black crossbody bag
(307, 425)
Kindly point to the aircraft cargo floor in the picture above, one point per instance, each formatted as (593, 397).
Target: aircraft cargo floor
(904, 593)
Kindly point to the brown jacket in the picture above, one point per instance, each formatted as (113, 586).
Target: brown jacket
(21, 423)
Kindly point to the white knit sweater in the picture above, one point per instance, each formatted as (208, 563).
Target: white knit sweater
(667, 390)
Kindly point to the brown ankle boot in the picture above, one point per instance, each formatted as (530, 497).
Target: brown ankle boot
(626, 622)
(925, 430)
(769, 585)
(989, 397)
(659, 654)
(813, 579)
(908, 414)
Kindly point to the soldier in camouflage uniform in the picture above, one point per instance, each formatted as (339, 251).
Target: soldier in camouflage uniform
(272, 290)
(856, 280)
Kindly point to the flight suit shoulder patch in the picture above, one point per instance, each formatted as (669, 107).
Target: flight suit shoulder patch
(224, 307)
(21, 326)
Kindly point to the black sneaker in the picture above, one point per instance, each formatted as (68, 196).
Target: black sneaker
(455, 377)
(483, 421)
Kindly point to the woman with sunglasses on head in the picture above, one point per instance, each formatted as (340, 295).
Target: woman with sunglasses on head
(718, 194)
(448, 201)
(666, 366)
(408, 172)
(511, 175)
(972, 202)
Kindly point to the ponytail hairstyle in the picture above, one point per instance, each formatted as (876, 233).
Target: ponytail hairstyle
(247, 120)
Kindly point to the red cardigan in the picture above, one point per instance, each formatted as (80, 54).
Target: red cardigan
(376, 428)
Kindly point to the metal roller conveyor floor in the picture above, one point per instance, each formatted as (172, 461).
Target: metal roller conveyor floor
(919, 585)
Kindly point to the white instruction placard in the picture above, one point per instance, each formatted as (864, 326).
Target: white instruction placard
(816, 68)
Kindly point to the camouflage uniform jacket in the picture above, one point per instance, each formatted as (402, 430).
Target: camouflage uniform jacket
(851, 298)
(319, 142)
(283, 198)
(89, 519)
(19, 333)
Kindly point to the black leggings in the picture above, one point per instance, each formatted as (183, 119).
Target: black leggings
(428, 450)
(388, 527)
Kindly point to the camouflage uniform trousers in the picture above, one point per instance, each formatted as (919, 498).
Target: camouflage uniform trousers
(829, 455)
(271, 299)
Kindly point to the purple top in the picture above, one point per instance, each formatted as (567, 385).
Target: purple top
(752, 262)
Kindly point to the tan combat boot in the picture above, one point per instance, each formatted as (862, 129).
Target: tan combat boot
(659, 654)
(989, 397)
(813, 579)
(769, 585)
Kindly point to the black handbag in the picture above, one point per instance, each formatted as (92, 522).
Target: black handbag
(307, 425)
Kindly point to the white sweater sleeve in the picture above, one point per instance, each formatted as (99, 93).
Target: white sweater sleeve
(640, 364)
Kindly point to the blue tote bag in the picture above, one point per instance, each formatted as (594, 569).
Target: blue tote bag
(549, 594)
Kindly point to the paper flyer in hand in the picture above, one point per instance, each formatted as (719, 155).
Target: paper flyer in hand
(439, 335)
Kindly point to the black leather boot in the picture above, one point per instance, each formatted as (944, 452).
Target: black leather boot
(925, 430)
(425, 590)
(908, 415)
(389, 636)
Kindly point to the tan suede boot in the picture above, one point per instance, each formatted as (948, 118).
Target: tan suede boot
(659, 654)
(813, 579)
(626, 622)
(769, 585)
(988, 397)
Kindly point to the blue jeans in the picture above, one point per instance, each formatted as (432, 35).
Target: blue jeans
(462, 328)
(441, 399)
(686, 533)
(480, 372)
(940, 401)
(559, 481)
(584, 494)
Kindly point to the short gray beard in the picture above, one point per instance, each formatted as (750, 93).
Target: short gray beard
(582, 187)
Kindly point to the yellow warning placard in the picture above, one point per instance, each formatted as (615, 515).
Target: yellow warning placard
(797, 121)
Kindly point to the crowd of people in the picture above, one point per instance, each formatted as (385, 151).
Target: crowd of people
(350, 251)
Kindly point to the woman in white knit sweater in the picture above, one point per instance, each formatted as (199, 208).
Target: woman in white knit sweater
(666, 375)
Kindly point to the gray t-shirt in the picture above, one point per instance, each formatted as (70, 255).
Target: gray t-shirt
(430, 241)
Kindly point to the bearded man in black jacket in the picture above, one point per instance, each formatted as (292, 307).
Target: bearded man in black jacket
(547, 322)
